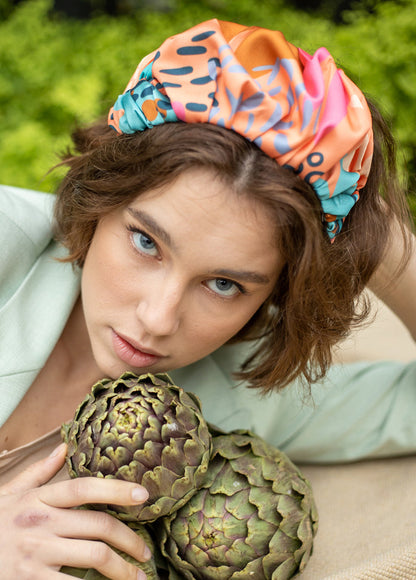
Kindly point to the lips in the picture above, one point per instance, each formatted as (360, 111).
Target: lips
(133, 354)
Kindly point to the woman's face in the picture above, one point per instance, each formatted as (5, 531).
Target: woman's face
(175, 274)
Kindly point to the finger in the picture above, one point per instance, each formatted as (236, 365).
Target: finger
(36, 474)
(27, 570)
(95, 525)
(90, 554)
(82, 490)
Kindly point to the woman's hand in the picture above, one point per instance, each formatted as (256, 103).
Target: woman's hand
(39, 534)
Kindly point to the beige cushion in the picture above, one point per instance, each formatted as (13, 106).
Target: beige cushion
(366, 510)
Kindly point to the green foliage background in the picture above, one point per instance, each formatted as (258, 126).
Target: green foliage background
(56, 72)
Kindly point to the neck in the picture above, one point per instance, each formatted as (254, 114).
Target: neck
(74, 347)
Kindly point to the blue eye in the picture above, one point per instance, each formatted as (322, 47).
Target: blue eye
(223, 287)
(144, 243)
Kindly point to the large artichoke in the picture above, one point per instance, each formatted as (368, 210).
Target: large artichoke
(143, 429)
(253, 518)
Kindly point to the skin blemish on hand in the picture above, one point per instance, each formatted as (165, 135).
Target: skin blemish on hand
(30, 519)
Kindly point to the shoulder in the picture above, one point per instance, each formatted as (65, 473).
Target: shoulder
(25, 233)
(29, 211)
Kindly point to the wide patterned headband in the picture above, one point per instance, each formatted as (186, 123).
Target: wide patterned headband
(301, 110)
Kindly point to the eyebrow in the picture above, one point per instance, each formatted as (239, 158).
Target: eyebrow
(243, 275)
(152, 225)
(157, 230)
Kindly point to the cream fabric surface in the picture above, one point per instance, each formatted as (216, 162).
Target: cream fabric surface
(399, 564)
(367, 514)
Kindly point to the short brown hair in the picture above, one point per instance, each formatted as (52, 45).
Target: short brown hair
(315, 301)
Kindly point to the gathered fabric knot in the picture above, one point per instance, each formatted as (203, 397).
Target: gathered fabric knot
(142, 106)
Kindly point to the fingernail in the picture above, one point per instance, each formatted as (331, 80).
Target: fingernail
(141, 575)
(147, 554)
(139, 494)
(58, 450)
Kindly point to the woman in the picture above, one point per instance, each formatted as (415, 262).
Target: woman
(229, 224)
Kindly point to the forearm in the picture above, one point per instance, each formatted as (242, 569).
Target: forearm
(395, 287)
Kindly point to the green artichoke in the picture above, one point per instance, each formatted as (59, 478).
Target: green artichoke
(254, 517)
(143, 429)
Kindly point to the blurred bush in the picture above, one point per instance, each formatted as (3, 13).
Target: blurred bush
(57, 72)
(334, 10)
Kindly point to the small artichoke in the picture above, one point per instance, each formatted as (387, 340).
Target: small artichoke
(253, 518)
(142, 429)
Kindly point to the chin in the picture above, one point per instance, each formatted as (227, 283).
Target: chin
(116, 372)
(110, 370)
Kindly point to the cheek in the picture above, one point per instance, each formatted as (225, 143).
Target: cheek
(245, 315)
(213, 334)
(219, 330)
(103, 288)
(103, 269)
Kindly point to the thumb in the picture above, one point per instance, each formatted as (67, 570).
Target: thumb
(38, 473)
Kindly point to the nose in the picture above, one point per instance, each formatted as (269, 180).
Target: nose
(159, 311)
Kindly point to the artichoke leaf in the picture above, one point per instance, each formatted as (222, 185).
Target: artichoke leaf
(267, 510)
